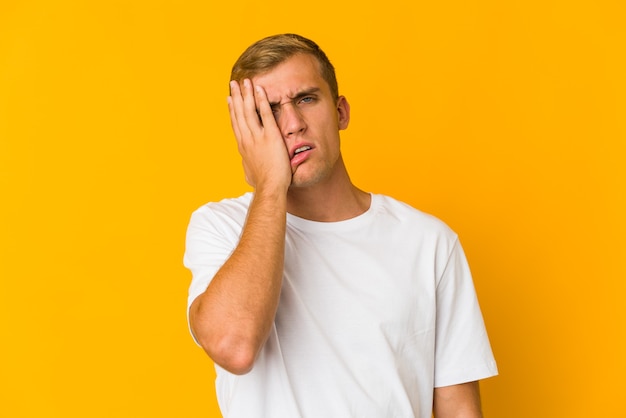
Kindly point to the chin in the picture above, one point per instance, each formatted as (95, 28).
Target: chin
(310, 176)
(300, 181)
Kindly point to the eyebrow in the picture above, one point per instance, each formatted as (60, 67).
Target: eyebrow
(303, 93)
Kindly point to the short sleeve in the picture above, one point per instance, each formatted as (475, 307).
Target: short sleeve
(462, 349)
(210, 240)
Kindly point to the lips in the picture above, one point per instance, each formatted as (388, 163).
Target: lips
(299, 149)
(300, 153)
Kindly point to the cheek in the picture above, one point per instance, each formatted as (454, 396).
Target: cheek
(329, 125)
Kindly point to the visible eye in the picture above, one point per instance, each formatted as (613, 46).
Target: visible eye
(307, 99)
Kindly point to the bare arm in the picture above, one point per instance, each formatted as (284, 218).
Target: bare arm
(233, 317)
(457, 401)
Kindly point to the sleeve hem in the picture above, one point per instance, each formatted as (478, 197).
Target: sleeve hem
(469, 375)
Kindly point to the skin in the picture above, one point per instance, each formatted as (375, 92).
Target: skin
(305, 113)
(457, 401)
(233, 317)
(272, 115)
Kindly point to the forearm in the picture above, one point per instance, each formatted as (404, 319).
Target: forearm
(457, 401)
(233, 317)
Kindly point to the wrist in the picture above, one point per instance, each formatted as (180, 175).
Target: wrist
(272, 189)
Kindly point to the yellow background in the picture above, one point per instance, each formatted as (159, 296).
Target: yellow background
(506, 119)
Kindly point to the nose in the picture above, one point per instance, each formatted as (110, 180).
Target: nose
(290, 120)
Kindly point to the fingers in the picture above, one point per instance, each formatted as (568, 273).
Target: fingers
(264, 154)
(265, 111)
(242, 108)
(250, 111)
(233, 118)
(249, 107)
(263, 106)
(235, 108)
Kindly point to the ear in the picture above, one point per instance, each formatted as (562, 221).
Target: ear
(343, 112)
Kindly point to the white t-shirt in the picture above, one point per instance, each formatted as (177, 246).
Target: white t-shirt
(374, 312)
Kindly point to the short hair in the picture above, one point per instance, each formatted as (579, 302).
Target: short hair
(264, 55)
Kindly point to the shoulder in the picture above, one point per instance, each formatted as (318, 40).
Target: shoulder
(226, 207)
(426, 237)
(231, 211)
(410, 217)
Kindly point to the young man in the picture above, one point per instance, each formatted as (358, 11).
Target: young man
(313, 297)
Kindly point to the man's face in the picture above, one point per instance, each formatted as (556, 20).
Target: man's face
(308, 118)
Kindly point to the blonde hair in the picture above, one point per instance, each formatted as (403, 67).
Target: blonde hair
(264, 55)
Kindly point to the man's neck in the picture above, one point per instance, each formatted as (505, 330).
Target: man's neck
(329, 202)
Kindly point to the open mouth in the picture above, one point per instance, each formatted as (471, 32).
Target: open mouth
(301, 149)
